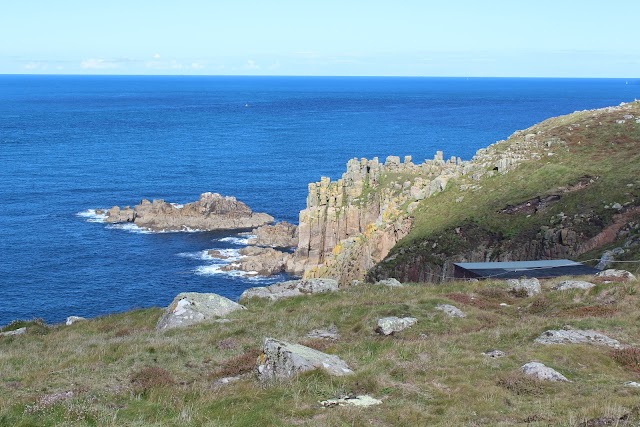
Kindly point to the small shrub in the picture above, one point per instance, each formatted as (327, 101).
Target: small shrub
(34, 326)
(227, 344)
(151, 377)
(237, 365)
(521, 385)
(628, 357)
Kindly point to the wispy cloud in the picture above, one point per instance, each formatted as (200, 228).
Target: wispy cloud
(98, 64)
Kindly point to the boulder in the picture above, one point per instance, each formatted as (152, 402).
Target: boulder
(573, 284)
(362, 401)
(391, 283)
(291, 288)
(73, 319)
(211, 212)
(530, 286)
(450, 310)
(617, 275)
(280, 235)
(542, 372)
(331, 333)
(390, 325)
(632, 384)
(608, 257)
(576, 336)
(281, 360)
(494, 354)
(189, 308)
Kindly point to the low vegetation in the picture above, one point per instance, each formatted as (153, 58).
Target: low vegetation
(119, 371)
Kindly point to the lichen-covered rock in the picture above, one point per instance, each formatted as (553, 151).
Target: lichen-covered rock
(291, 288)
(390, 325)
(362, 401)
(613, 274)
(391, 283)
(494, 354)
(211, 212)
(18, 331)
(576, 336)
(530, 286)
(189, 308)
(331, 333)
(450, 310)
(281, 360)
(573, 284)
(542, 372)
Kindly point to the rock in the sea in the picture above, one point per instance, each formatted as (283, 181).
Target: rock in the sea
(362, 401)
(18, 331)
(211, 212)
(450, 310)
(615, 275)
(331, 333)
(573, 284)
(189, 308)
(291, 288)
(576, 336)
(390, 325)
(217, 254)
(530, 286)
(542, 372)
(280, 235)
(73, 319)
(391, 282)
(281, 360)
(262, 261)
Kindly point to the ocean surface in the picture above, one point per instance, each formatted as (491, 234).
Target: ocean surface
(69, 144)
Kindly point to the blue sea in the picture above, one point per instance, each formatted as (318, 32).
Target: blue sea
(69, 144)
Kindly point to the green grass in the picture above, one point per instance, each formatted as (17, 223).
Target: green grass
(122, 372)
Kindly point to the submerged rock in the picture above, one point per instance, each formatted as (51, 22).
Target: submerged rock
(542, 372)
(390, 325)
(189, 308)
(576, 336)
(450, 310)
(291, 288)
(281, 360)
(211, 212)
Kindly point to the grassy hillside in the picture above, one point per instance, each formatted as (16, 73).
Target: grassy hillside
(572, 171)
(117, 370)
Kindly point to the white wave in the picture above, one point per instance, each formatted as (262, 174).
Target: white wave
(92, 215)
(130, 227)
(215, 269)
(229, 254)
(244, 240)
(177, 205)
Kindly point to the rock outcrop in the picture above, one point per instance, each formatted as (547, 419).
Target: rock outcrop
(211, 212)
(291, 288)
(566, 285)
(391, 325)
(542, 372)
(262, 261)
(280, 235)
(613, 274)
(189, 308)
(450, 310)
(576, 336)
(281, 360)
(529, 286)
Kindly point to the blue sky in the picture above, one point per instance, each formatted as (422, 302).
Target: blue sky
(542, 38)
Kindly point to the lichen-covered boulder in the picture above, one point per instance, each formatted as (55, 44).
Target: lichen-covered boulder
(390, 325)
(530, 286)
(542, 372)
(281, 360)
(291, 288)
(573, 284)
(391, 283)
(450, 310)
(189, 308)
(576, 336)
(613, 274)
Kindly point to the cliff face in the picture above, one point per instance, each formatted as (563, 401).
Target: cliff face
(350, 225)
(565, 188)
